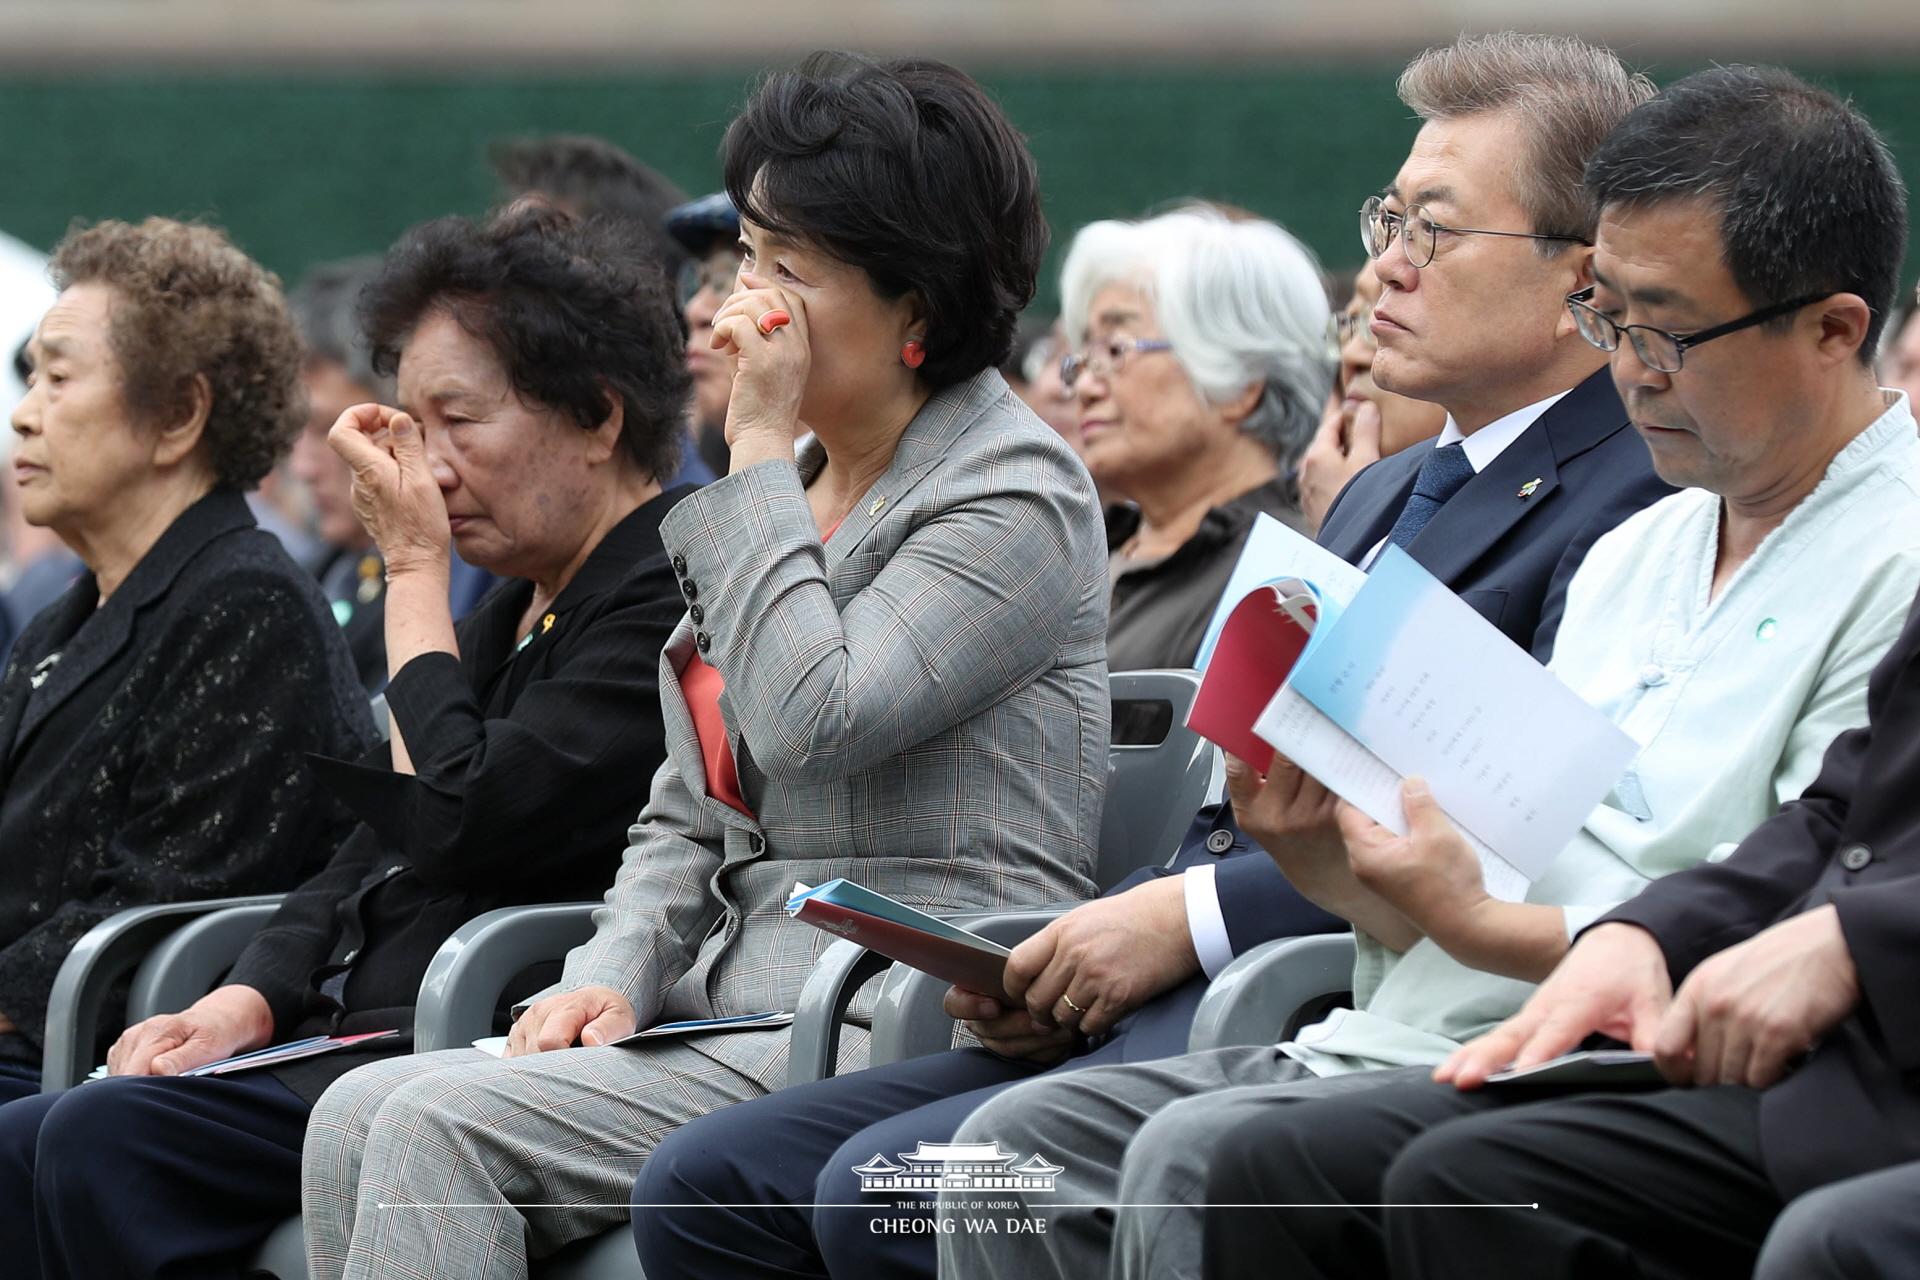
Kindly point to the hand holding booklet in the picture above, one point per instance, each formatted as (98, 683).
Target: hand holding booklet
(1363, 680)
(902, 933)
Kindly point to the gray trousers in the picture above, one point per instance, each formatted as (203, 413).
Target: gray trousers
(1133, 1143)
(1865, 1228)
(461, 1166)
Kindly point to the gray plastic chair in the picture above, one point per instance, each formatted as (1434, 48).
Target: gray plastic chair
(105, 954)
(470, 972)
(1153, 789)
(1269, 993)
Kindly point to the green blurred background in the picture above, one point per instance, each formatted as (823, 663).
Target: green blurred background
(305, 167)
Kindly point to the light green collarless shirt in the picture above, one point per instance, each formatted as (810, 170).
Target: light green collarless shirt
(1734, 701)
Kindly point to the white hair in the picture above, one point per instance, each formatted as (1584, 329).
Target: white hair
(1240, 300)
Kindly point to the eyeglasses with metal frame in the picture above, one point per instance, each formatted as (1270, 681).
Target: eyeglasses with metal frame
(1103, 365)
(1419, 234)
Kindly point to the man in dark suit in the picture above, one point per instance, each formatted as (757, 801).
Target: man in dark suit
(1536, 462)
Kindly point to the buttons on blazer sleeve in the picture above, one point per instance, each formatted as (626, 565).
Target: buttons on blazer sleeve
(690, 589)
(697, 614)
(702, 641)
(679, 563)
(1855, 857)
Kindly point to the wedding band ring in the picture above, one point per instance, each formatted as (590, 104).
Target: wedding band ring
(773, 320)
(1071, 1005)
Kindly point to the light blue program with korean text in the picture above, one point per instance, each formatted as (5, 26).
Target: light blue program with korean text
(1434, 690)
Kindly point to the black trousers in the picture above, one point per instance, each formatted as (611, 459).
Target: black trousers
(147, 1176)
(1663, 1183)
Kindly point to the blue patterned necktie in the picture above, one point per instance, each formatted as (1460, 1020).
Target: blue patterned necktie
(1444, 473)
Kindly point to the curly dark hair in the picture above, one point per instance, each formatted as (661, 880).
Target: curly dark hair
(187, 302)
(909, 171)
(577, 313)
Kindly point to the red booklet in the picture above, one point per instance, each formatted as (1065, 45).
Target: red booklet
(1263, 638)
(912, 937)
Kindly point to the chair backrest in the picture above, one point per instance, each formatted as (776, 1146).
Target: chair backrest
(190, 961)
(1155, 788)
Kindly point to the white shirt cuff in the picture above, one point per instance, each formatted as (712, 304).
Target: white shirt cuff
(1204, 921)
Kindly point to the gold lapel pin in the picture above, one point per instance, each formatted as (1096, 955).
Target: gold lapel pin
(1526, 490)
(546, 624)
(878, 503)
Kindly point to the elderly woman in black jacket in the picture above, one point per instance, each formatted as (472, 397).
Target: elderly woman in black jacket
(154, 720)
(542, 383)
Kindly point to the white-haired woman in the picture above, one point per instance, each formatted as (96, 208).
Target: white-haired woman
(1199, 370)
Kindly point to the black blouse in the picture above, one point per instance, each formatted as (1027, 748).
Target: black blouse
(1161, 608)
(531, 762)
(155, 745)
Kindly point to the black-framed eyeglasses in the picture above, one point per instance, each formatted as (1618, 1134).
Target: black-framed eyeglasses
(1419, 234)
(1660, 350)
(1111, 355)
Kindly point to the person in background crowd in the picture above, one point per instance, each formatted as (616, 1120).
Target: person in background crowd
(281, 507)
(1900, 350)
(914, 608)
(1033, 371)
(709, 230)
(339, 374)
(1361, 423)
(1201, 369)
(590, 178)
(158, 715)
(35, 566)
(543, 389)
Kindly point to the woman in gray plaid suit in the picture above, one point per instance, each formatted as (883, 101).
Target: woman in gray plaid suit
(892, 669)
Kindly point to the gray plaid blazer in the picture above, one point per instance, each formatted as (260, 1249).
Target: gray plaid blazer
(919, 705)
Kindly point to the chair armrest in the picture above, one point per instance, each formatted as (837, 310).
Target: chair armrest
(1261, 997)
(190, 960)
(909, 1019)
(814, 1043)
(466, 976)
(104, 955)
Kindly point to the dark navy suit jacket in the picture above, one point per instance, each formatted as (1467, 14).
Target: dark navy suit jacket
(1507, 543)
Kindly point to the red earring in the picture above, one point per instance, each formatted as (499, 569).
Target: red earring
(913, 353)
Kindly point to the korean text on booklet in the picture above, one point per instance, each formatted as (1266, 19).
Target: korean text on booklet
(1363, 680)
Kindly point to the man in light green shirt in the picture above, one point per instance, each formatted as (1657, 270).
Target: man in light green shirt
(1728, 629)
